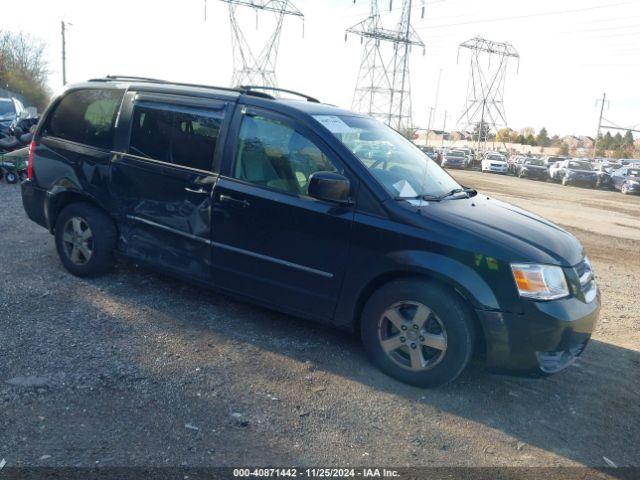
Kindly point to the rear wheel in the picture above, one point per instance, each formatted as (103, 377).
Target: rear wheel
(85, 240)
(624, 189)
(417, 332)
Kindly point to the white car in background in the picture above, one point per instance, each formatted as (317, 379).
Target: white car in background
(494, 162)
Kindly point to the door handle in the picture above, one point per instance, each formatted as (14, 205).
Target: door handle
(234, 201)
(200, 190)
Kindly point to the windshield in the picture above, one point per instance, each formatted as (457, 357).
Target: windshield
(402, 169)
(499, 158)
(6, 108)
(580, 166)
(536, 162)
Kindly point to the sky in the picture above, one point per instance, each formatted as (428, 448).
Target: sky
(571, 51)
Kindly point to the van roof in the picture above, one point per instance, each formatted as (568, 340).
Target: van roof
(300, 102)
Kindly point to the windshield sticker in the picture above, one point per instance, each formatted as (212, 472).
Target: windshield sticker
(334, 124)
(404, 189)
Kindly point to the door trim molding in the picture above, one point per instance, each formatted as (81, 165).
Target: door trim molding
(230, 248)
(169, 229)
(267, 258)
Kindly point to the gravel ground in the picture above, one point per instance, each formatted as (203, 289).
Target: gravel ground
(135, 368)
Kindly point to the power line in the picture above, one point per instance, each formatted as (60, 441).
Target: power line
(531, 15)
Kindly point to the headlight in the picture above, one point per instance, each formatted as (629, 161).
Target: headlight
(540, 282)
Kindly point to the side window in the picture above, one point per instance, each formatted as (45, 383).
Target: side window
(181, 135)
(272, 154)
(86, 116)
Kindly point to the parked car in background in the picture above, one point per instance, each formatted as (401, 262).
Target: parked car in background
(11, 110)
(575, 172)
(604, 171)
(428, 151)
(626, 179)
(513, 163)
(532, 168)
(455, 159)
(494, 163)
(279, 202)
(550, 161)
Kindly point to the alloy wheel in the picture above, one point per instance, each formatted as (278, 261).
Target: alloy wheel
(77, 240)
(412, 336)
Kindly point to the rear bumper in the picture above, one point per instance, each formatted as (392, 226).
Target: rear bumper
(545, 339)
(33, 199)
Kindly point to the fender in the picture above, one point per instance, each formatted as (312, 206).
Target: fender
(61, 193)
(467, 281)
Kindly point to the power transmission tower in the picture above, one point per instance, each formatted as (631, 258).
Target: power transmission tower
(595, 142)
(249, 67)
(484, 109)
(608, 125)
(383, 88)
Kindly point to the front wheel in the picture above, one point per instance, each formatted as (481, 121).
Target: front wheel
(417, 332)
(85, 240)
(624, 190)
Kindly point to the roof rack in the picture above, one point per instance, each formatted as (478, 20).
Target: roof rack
(252, 89)
(165, 82)
(246, 89)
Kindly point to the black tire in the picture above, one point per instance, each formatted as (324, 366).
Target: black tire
(101, 244)
(453, 320)
(11, 177)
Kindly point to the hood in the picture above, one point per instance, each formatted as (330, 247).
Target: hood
(515, 234)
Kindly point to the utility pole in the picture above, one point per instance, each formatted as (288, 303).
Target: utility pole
(426, 140)
(63, 27)
(444, 127)
(434, 109)
(595, 143)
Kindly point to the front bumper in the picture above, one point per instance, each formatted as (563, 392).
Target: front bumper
(588, 181)
(633, 188)
(494, 169)
(535, 174)
(546, 338)
(453, 165)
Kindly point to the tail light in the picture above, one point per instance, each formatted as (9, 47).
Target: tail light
(32, 148)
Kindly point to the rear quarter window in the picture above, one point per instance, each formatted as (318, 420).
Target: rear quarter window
(86, 116)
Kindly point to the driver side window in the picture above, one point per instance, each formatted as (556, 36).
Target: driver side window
(272, 154)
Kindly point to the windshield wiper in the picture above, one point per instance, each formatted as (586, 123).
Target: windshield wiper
(433, 198)
(469, 191)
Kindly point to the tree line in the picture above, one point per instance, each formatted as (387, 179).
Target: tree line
(23, 67)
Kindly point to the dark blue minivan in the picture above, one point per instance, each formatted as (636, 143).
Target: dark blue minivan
(311, 210)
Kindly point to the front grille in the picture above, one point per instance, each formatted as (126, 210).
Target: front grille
(498, 165)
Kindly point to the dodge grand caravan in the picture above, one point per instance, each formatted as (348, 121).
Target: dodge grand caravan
(311, 210)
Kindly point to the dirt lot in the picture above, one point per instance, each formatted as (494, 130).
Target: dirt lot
(138, 369)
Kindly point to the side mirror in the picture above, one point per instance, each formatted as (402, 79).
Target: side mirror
(329, 186)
